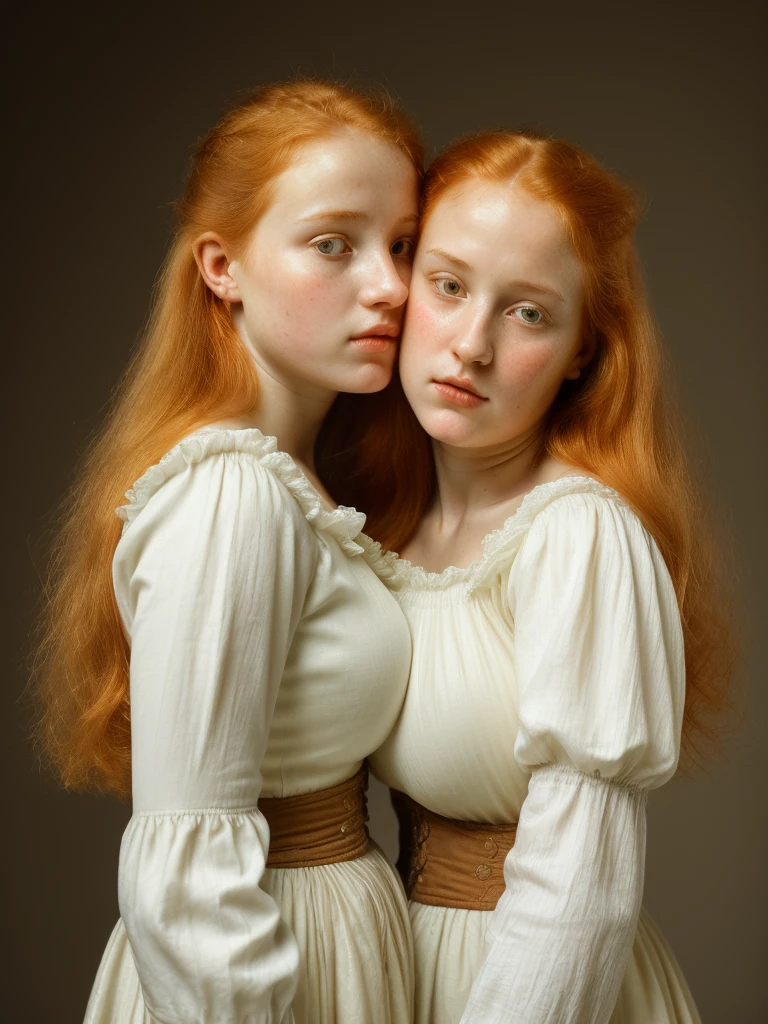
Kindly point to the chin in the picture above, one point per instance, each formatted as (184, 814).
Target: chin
(449, 427)
(367, 379)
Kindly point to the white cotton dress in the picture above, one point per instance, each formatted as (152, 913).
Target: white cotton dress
(267, 658)
(547, 687)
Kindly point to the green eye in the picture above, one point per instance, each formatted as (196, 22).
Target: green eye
(331, 246)
(529, 315)
(448, 287)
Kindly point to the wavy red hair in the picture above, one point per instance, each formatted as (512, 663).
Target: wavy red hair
(190, 369)
(617, 422)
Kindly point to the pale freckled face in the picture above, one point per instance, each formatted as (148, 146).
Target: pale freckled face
(496, 300)
(301, 306)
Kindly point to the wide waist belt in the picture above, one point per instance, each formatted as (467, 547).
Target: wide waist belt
(448, 863)
(326, 827)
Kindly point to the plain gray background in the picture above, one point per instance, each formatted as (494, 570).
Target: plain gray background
(105, 106)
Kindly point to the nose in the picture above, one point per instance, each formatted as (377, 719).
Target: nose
(385, 283)
(473, 342)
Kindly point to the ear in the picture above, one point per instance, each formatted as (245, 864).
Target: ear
(214, 265)
(582, 357)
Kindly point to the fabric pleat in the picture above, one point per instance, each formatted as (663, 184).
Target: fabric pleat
(351, 924)
(450, 947)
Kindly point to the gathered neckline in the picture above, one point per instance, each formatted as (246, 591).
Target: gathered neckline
(500, 543)
(344, 523)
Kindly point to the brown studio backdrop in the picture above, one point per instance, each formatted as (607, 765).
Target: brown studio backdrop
(104, 109)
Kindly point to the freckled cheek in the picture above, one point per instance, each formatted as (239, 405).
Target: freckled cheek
(530, 369)
(424, 332)
(303, 307)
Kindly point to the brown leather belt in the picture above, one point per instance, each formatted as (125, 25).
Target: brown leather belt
(448, 863)
(325, 827)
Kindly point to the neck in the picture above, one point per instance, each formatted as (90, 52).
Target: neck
(293, 418)
(290, 410)
(473, 480)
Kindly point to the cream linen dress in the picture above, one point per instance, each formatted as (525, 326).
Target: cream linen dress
(547, 687)
(267, 657)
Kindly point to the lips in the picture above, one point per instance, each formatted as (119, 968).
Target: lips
(378, 338)
(459, 391)
(378, 331)
(463, 383)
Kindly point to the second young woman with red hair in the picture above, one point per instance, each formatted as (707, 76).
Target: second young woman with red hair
(560, 592)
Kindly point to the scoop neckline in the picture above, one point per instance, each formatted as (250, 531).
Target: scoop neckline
(514, 526)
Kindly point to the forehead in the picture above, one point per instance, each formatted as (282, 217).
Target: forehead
(345, 171)
(501, 229)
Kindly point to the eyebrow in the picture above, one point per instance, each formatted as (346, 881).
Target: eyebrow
(444, 254)
(409, 218)
(335, 215)
(543, 289)
(528, 286)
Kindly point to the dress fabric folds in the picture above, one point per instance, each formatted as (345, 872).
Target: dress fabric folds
(268, 658)
(547, 688)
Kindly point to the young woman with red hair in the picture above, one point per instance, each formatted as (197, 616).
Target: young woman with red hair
(559, 584)
(224, 651)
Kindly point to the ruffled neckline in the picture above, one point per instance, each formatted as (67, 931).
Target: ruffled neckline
(344, 524)
(499, 545)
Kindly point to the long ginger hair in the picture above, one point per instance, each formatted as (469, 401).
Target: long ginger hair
(616, 422)
(190, 369)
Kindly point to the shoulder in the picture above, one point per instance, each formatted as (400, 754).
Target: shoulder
(580, 520)
(587, 521)
(213, 470)
(567, 492)
(586, 544)
(213, 516)
(570, 506)
(577, 508)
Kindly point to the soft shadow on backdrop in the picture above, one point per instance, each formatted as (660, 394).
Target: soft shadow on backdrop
(105, 106)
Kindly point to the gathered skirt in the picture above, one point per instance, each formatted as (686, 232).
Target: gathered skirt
(351, 924)
(450, 948)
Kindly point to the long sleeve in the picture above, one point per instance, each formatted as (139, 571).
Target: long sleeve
(210, 577)
(600, 672)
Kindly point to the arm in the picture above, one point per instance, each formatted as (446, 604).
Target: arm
(562, 932)
(210, 579)
(599, 662)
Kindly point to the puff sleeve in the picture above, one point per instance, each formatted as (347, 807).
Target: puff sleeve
(210, 578)
(600, 670)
